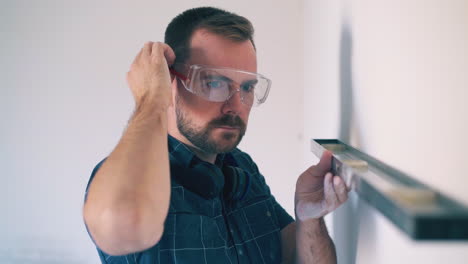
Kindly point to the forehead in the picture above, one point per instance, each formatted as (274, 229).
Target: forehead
(207, 48)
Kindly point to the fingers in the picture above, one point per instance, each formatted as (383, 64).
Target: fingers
(157, 50)
(335, 192)
(138, 56)
(331, 200)
(149, 74)
(162, 50)
(146, 50)
(169, 54)
(340, 189)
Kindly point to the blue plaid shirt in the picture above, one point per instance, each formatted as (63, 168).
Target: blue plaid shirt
(198, 230)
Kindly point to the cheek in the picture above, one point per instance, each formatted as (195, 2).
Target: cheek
(188, 99)
(174, 91)
(245, 116)
(200, 111)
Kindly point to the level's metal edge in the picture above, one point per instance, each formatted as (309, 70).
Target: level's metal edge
(448, 224)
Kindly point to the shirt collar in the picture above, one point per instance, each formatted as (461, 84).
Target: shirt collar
(185, 156)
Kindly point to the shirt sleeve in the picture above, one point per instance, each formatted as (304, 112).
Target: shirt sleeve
(96, 168)
(105, 258)
(284, 219)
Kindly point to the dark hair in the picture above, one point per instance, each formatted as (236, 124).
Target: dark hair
(180, 30)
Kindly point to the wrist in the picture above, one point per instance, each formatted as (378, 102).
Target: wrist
(152, 103)
(314, 223)
(150, 108)
(149, 118)
(315, 226)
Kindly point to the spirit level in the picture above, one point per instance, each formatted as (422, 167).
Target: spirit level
(418, 210)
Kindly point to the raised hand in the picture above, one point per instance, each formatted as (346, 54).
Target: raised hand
(149, 78)
(318, 192)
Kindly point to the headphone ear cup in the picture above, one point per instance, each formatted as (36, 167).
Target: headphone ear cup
(237, 183)
(210, 179)
(204, 179)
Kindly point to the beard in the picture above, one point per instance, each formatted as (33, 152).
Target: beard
(203, 137)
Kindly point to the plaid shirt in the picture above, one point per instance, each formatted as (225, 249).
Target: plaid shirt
(198, 230)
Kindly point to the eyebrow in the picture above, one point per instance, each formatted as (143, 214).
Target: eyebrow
(224, 78)
(221, 77)
(253, 81)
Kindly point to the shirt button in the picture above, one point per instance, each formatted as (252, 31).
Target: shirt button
(240, 252)
(268, 213)
(232, 231)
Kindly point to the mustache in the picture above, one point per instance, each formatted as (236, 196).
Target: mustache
(228, 120)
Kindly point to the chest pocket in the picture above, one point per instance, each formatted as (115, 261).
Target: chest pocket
(258, 234)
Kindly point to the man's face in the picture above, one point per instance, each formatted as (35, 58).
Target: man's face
(214, 127)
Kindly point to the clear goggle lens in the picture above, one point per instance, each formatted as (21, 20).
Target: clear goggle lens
(218, 84)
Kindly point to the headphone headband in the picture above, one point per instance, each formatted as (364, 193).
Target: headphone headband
(208, 180)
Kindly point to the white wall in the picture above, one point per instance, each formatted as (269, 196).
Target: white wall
(387, 76)
(327, 110)
(411, 85)
(64, 104)
(401, 69)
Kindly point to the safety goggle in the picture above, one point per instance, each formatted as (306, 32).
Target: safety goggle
(218, 84)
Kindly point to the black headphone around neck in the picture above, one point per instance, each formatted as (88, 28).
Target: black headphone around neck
(209, 181)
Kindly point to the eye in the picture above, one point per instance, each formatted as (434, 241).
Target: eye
(248, 87)
(214, 84)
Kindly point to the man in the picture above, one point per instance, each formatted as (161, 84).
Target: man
(176, 189)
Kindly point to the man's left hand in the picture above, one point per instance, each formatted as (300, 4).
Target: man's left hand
(318, 192)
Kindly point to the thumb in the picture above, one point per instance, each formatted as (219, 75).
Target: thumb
(324, 164)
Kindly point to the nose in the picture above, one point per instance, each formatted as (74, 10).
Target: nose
(234, 104)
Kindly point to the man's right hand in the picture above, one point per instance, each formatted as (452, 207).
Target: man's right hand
(149, 78)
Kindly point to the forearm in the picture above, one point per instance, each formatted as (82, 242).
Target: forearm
(129, 197)
(313, 244)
